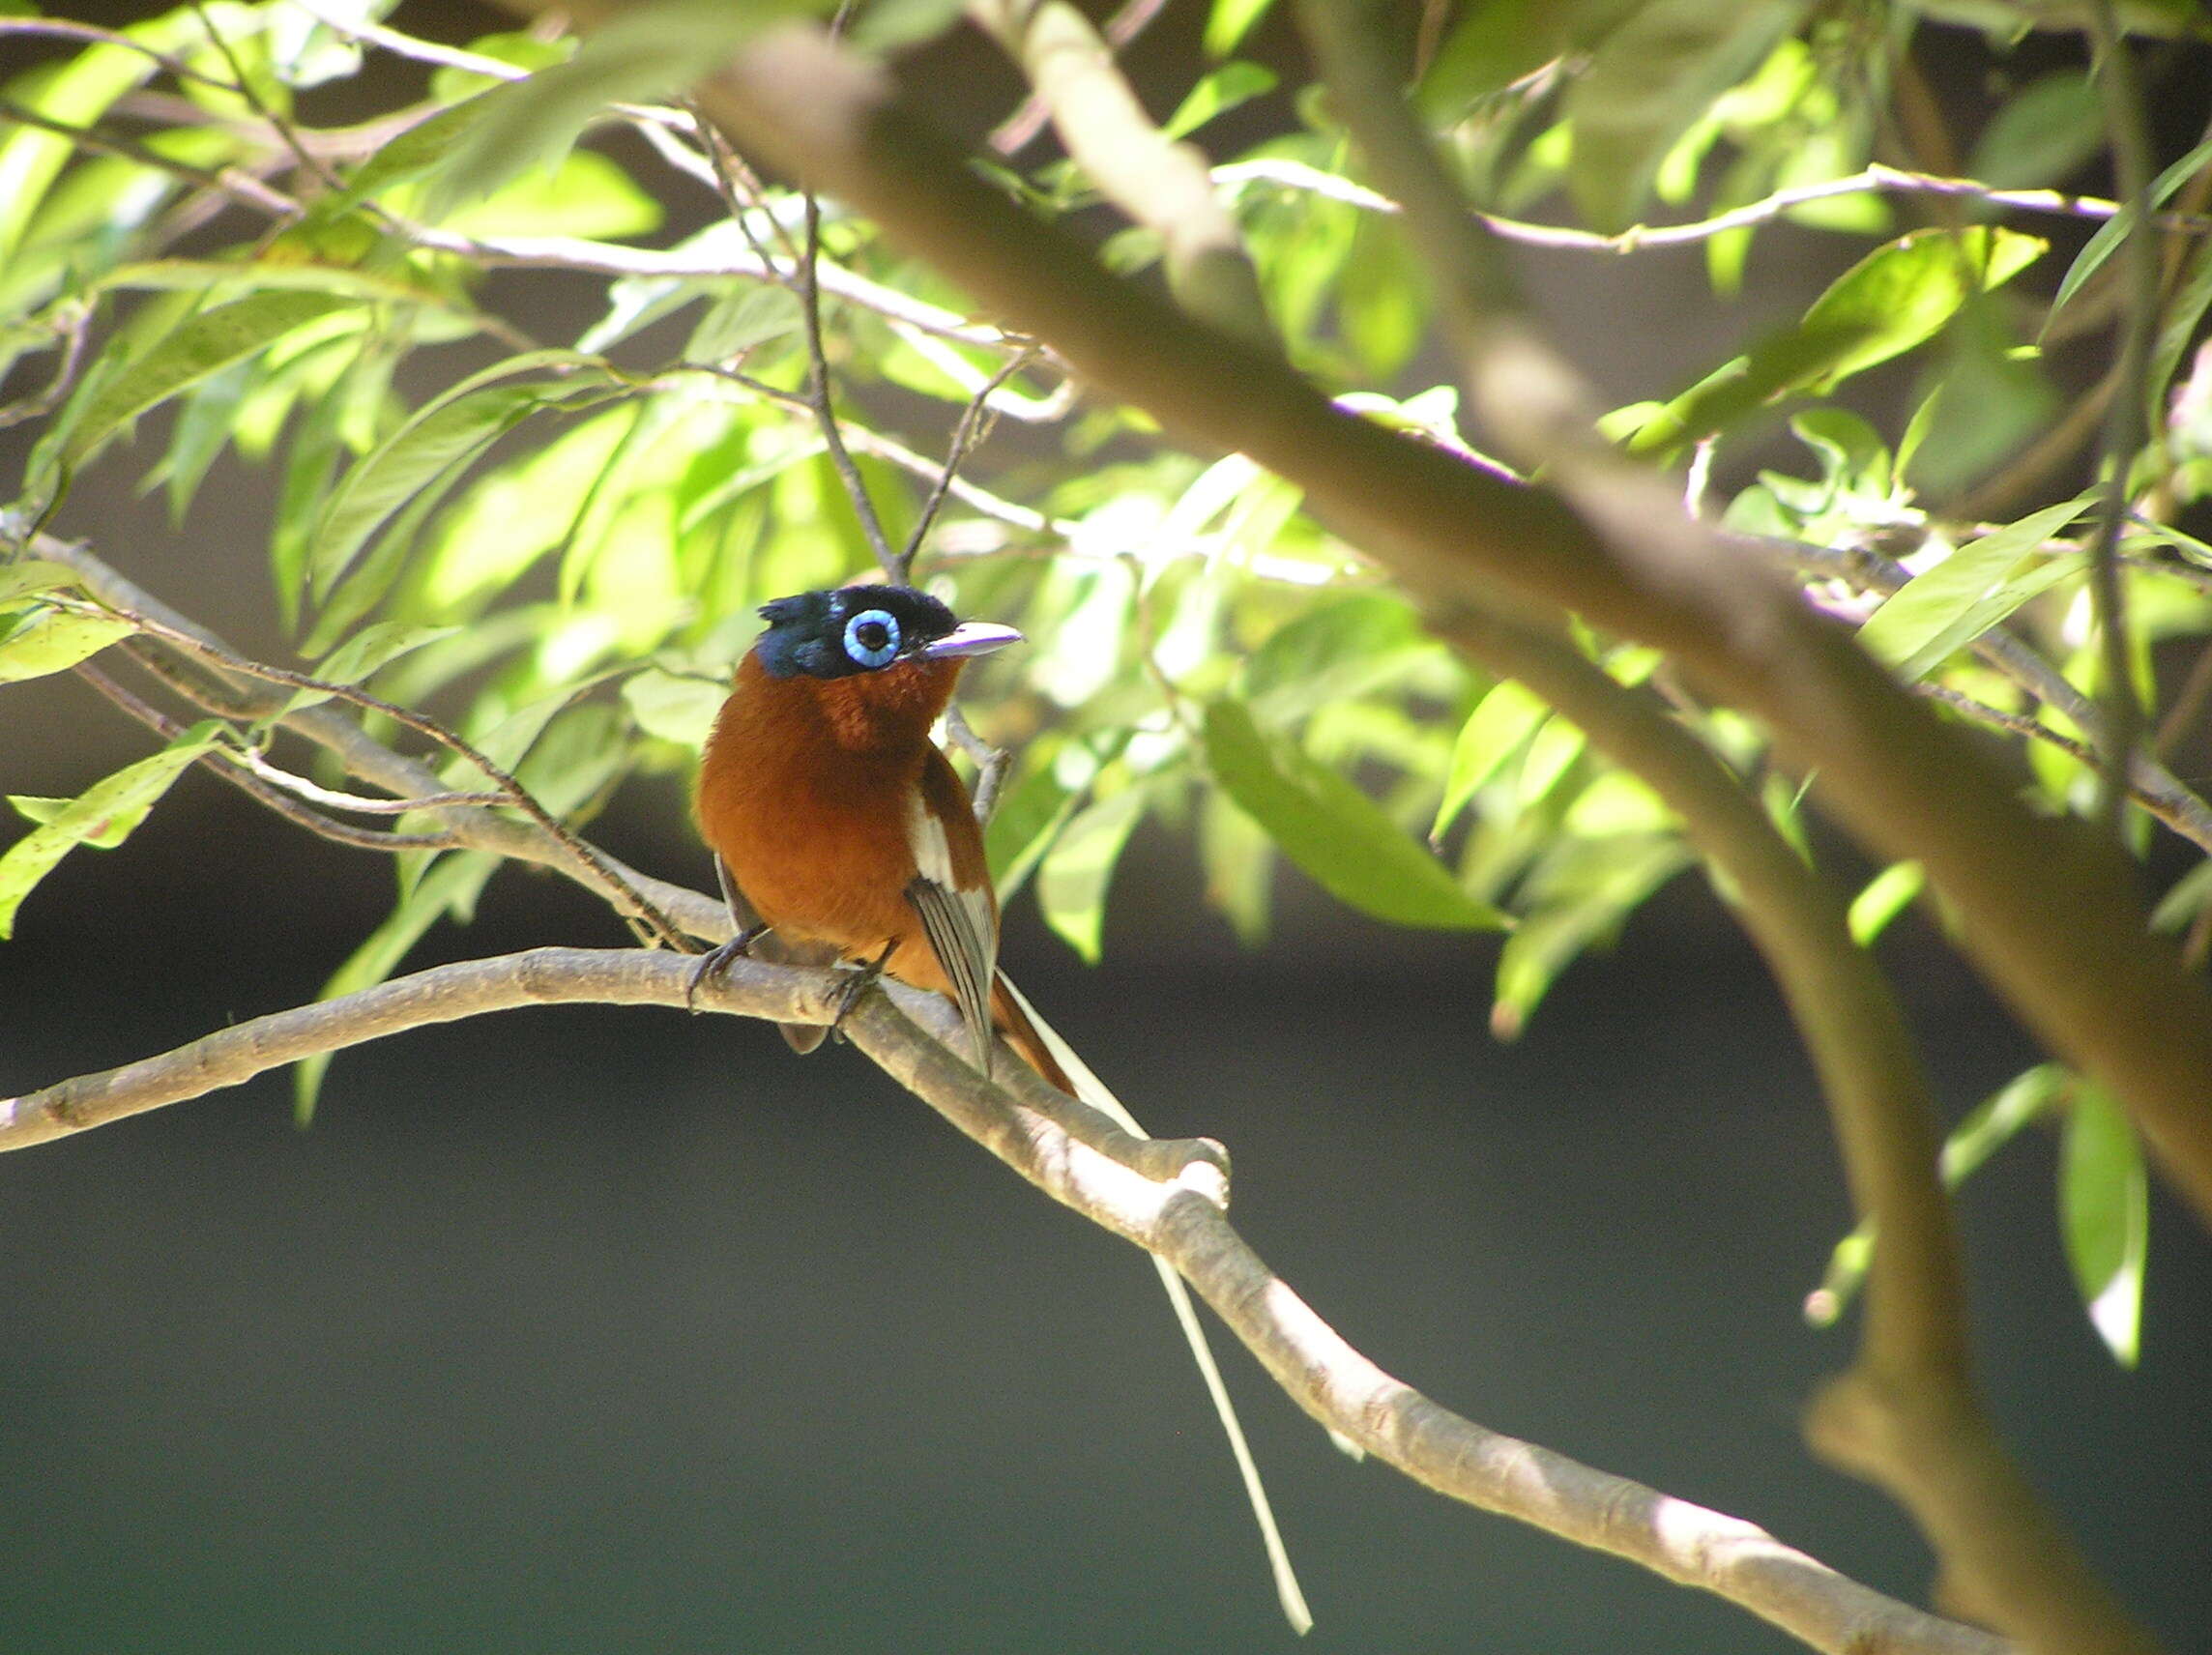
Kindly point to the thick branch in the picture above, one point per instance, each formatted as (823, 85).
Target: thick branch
(1160, 184)
(1164, 1195)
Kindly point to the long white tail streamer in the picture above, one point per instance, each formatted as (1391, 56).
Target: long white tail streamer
(1090, 1089)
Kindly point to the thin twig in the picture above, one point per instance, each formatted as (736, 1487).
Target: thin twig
(820, 396)
(75, 325)
(516, 794)
(1874, 180)
(229, 765)
(240, 187)
(974, 428)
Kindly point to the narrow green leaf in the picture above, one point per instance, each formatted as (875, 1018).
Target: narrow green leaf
(362, 653)
(1992, 1123)
(2046, 132)
(1648, 80)
(448, 432)
(1073, 878)
(1338, 650)
(2105, 1206)
(748, 315)
(202, 345)
(1945, 608)
(50, 640)
(1229, 21)
(1333, 830)
(2114, 230)
(1494, 732)
(1896, 297)
(644, 52)
(1216, 92)
(104, 814)
(1886, 895)
(1583, 893)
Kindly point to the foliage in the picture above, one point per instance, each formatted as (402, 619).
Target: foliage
(557, 544)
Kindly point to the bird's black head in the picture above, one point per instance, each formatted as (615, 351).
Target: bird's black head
(865, 628)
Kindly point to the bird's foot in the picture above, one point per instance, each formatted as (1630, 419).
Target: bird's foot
(717, 960)
(858, 983)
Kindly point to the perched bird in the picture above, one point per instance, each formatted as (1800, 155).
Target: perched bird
(840, 832)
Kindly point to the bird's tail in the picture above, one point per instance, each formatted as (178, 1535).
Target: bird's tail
(1080, 1083)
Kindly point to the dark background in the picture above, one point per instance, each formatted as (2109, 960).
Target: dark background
(604, 1330)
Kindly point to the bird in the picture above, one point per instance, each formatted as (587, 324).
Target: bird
(841, 834)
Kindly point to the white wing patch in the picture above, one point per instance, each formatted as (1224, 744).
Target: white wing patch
(960, 923)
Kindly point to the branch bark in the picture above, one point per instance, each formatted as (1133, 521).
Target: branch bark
(1166, 1196)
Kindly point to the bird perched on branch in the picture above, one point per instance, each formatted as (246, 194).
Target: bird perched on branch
(841, 834)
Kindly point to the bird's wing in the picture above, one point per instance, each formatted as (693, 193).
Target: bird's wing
(961, 921)
(1090, 1089)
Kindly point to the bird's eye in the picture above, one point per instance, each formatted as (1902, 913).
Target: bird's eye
(872, 637)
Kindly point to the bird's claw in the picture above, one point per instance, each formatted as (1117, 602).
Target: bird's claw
(862, 979)
(716, 961)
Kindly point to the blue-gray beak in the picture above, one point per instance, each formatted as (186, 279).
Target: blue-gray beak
(969, 638)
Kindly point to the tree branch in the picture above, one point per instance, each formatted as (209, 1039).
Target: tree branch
(1165, 1195)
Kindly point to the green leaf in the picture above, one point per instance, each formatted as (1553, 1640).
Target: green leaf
(1229, 21)
(203, 344)
(1583, 893)
(50, 640)
(1945, 608)
(2114, 230)
(1073, 878)
(2105, 1206)
(104, 814)
(645, 51)
(362, 653)
(679, 709)
(1494, 732)
(749, 315)
(1992, 1124)
(1331, 653)
(2046, 132)
(1216, 94)
(1886, 895)
(1896, 297)
(1649, 79)
(1333, 830)
(32, 576)
(587, 196)
(448, 432)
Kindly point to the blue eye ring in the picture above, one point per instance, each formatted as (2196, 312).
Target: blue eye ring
(872, 638)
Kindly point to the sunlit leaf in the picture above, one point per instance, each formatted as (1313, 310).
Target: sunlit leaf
(1649, 78)
(1342, 648)
(1581, 896)
(1886, 895)
(1942, 610)
(1229, 22)
(1072, 880)
(1216, 92)
(1333, 830)
(450, 887)
(2104, 1205)
(203, 344)
(1494, 732)
(2114, 230)
(1894, 299)
(1992, 1123)
(50, 640)
(679, 709)
(104, 814)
